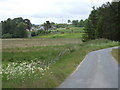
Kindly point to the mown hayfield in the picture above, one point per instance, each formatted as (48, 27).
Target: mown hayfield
(24, 43)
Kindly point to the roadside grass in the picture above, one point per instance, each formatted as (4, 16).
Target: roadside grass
(116, 54)
(63, 66)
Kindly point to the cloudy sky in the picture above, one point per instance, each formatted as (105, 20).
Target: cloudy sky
(39, 11)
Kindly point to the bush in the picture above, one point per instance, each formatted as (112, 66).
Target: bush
(33, 34)
(41, 32)
(8, 35)
(61, 25)
(85, 37)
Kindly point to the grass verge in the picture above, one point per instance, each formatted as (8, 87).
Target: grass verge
(116, 54)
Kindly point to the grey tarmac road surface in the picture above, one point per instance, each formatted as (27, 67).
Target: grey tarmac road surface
(98, 70)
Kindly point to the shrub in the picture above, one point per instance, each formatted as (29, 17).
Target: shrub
(41, 32)
(8, 35)
(33, 34)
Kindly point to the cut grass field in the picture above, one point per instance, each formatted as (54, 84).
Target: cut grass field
(116, 54)
(45, 66)
(24, 43)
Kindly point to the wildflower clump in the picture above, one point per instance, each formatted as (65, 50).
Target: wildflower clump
(31, 69)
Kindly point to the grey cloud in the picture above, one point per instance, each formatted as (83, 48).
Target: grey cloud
(75, 8)
(50, 15)
(66, 10)
(72, 9)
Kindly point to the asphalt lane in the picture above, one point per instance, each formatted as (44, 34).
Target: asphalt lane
(98, 70)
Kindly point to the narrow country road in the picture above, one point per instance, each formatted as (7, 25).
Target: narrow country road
(97, 70)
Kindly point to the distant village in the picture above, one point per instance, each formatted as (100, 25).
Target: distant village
(41, 27)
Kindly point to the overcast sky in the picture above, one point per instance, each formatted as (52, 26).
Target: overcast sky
(39, 11)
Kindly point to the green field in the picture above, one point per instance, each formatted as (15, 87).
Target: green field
(44, 66)
(60, 35)
(72, 32)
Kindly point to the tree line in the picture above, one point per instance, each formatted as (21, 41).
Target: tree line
(15, 28)
(77, 23)
(103, 22)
